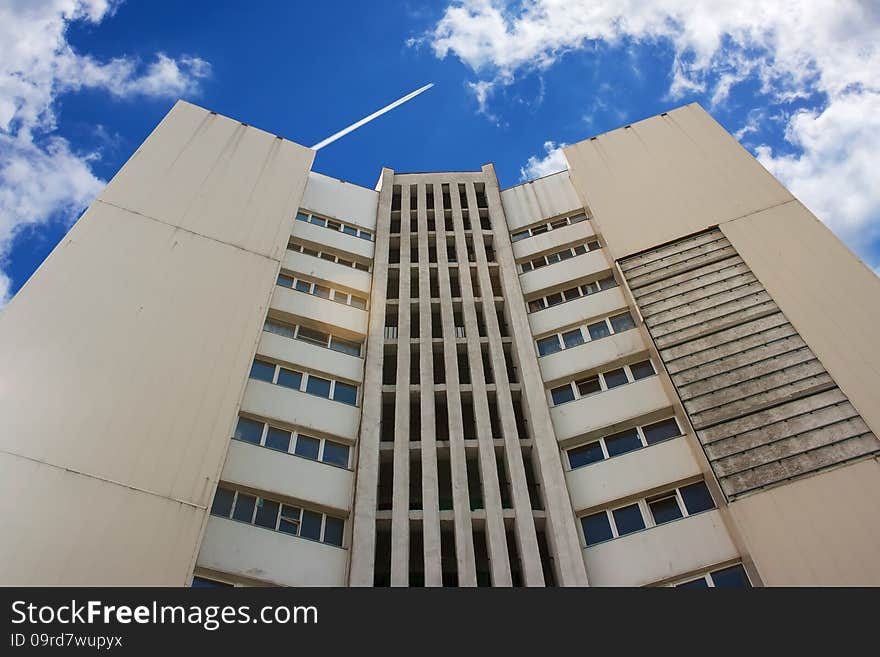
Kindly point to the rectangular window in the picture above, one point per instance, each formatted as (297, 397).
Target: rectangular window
(584, 455)
(278, 439)
(615, 378)
(622, 442)
(262, 370)
(628, 519)
(307, 447)
(249, 431)
(348, 230)
(597, 528)
(311, 335)
(222, 505)
(516, 237)
(333, 529)
(588, 386)
(562, 394)
(289, 379)
(598, 330)
(303, 286)
(660, 431)
(285, 281)
(278, 328)
(244, 507)
(335, 454)
(318, 386)
(697, 498)
(664, 508)
(358, 302)
(554, 299)
(549, 345)
(622, 322)
(642, 370)
(289, 523)
(267, 513)
(322, 291)
(733, 577)
(573, 338)
(345, 346)
(310, 527)
(345, 393)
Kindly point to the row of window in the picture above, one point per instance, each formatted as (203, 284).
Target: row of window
(622, 442)
(732, 577)
(326, 255)
(572, 293)
(647, 512)
(313, 336)
(594, 331)
(320, 290)
(559, 256)
(310, 218)
(291, 442)
(602, 381)
(314, 385)
(561, 222)
(278, 516)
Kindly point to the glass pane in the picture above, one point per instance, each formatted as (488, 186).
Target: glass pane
(344, 346)
(642, 370)
(289, 523)
(262, 370)
(665, 510)
(580, 456)
(537, 263)
(598, 330)
(249, 431)
(628, 519)
(562, 394)
(554, 299)
(519, 236)
(577, 218)
(588, 386)
(592, 245)
(278, 439)
(318, 221)
(313, 336)
(279, 329)
(549, 345)
(571, 293)
(318, 386)
(697, 497)
(311, 525)
(244, 507)
(335, 454)
(286, 281)
(361, 266)
(694, 584)
(565, 255)
(328, 256)
(289, 379)
(339, 297)
(622, 322)
(333, 528)
(733, 577)
(302, 216)
(536, 305)
(322, 291)
(590, 288)
(307, 446)
(659, 431)
(308, 251)
(559, 223)
(201, 582)
(573, 338)
(267, 513)
(345, 393)
(553, 257)
(580, 249)
(623, 442)
(335, 225)
(596, 528)
(303, 286)
(222, 504)
(358, 302)
(615, 378)
(345, 263)
(607, 283)
(348, 230)
(364, 235)
(537, 230)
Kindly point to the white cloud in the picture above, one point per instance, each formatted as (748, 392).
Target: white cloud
(553, 161)
(822, 49)
(41, 177)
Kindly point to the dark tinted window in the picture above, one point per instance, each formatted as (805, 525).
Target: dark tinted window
(307, 447)
(623, 442)
(201, 582)
(562, 394)
(344, 346)
(222, 502)
(249, 431)
(311, 525)
(318, 386)
(345, 393)
(313, 336)
(267, 513)
(333, 531)
(289, 379)
(697, 498)
(286, 281)
(336, 454)
(628, 519)
(244, 507)
(598, 330)
(615, 378)
(622, 322)
(642, 370)
(278, 439)
(573, 338)
(262, 370)
(596, 528)
(665, 509)
(733, 577)
(289, 523)
(585, 455)
(549, 345)
(588, 386)
(693, 584)
(654, 433)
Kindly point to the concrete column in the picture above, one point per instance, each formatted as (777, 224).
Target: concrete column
(400, 500)
(562, 533)
(363, 540)
(430, 490)
(496, 540)
(526, 537)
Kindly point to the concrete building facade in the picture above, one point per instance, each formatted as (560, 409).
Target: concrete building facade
(654, 368)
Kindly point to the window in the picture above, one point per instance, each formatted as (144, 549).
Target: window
(615, 378)
(516, 237)
(249, 431)
(623, 442)
(732, 577)
(664, 509)
(289, 522)
(318, 386)
(319, 290)
(267, 513)
(588, 386)
(358, 302)
(335, 454)
(572, 293)
(286, 281)
(622, 322)
(572, 338)
(333, 528)
(557, 256)
(697, 498)
(286, 330)
(562, 394)
(204, 582)
(660, 431)
(538, 229)
(222, 505)
(549, 345)
(278, 439)
(307, 447)
(311, 335)
(642, 370)
(262, 370)
(289, 378)
(628, 519)
(310, 526)
(244, 507)
(598, 330)
(597, 528)
(305, 215)
(345, 346)
(345, 393)
(584, 455)
(303, 286)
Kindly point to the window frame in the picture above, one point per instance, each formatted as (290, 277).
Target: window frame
(294, 439)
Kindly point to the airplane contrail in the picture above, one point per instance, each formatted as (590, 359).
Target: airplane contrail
(367, 119)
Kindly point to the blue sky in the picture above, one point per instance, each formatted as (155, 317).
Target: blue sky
(82, 83)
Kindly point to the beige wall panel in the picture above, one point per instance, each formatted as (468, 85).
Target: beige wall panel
(334, 240)
(565, 364)
(320, 485)
(822, 530)
(543, 198)
(345, 278)
(830, 296)
(71, 529)
(573, 313)
(557, 276)
(553, 240)
(323, 311)
(239, 549)
(647, 556)
(598, 484)
(341, 200)
(311, 357)
(667, 177)
(216, 177)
